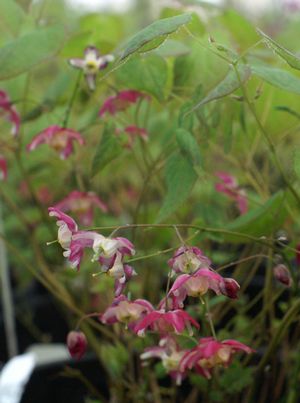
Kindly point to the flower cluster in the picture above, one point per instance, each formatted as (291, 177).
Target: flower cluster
(108, 252)
(195, 279)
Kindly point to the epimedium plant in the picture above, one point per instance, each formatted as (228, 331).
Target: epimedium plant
(171, 143)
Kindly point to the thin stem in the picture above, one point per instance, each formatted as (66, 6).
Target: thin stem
(261, 240)
(209, 318)
(72, 99)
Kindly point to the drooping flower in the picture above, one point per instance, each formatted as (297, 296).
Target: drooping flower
(91, 64)
(188, 260)
(131, 133)
(283, 275)
(8, 111)
(165, 322)
(3, 168)
(77, 344)
(59, 138)
(121, 101)
(230, 187)
(79, 242)
(106, 248)
(82, 204)
(197, 285)
(210, 353)
(170, 354)
(66, 228)
(120, 283)
(124, 311)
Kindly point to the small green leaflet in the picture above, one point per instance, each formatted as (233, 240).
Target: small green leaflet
(278, 78)
(107, 150)
(26, 52)
(180, 178)
(158, 31)
(188, 146)
(289, 57)
(228, 85)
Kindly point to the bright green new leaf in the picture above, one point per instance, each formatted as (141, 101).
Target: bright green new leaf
(107, 150)
(260, 221)
(157, 29)
(180, 178)
(148, 74)
(30, 50)
(188, 146)
(278, 78)
(289, 57)
(228, 85)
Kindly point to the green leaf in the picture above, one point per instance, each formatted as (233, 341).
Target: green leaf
(108, 149)
(289, 57)
(228, 85)
(180, 178)
(147, 74)
(260, 221)
(297, 163)
(11, 16)
(30, 50)
(278, 78)
(160, 28)
(188, 146)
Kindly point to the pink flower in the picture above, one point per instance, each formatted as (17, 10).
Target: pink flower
(91, 64)
(106, 248)
(121, 101)
(3, 168)
(131, 132)
(9, 112)
(59, 138)
(66, 228)
(229, 186)
(197, 284)
(79, 241)
(124, 311)
(210, 353)
(165, 322)
(283, 275)
(77, 344)
(82, 204)
(188, 260)
(170, 354)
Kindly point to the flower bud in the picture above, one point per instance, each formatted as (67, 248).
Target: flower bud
(282, 239)
(282, 275)
(230, 288)
(76, 343)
